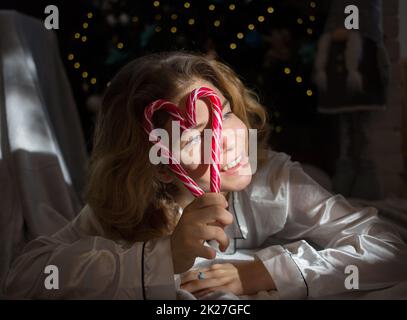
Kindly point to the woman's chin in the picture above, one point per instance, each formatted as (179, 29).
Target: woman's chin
(236, 182)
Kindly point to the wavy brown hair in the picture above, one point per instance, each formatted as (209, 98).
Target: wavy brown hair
(122, 190)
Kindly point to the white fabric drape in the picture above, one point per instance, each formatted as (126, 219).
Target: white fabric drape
(42, 150)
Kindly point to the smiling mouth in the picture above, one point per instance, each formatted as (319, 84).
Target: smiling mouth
(232, 164)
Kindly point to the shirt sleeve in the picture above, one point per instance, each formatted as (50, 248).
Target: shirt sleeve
(92, 267)
(327, 241)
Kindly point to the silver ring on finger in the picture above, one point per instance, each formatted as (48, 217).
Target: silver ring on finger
(201, 275)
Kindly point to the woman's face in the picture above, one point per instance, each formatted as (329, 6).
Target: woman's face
(234, 161)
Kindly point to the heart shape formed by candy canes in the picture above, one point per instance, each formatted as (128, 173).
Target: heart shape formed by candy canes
(187, 123)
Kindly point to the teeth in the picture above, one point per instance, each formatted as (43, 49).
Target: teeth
(232, 164)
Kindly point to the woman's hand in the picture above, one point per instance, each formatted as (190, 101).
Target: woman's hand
(203, 219)
(242, 278)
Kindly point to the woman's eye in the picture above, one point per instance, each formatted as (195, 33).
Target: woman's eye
(193, 140)
(227, 115)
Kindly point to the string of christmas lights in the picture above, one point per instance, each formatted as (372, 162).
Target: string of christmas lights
(90, 79)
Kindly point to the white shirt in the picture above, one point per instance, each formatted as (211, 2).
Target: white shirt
(304, 235)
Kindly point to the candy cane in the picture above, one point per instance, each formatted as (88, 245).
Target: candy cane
(175, 166)
(187, 123)
(216, 129)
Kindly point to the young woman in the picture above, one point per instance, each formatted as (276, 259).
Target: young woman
(141, 230)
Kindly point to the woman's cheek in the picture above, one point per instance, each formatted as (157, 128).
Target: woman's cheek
(241, 134)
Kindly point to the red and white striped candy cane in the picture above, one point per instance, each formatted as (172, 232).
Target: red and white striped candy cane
(216, 125)
(187, 123)
(174, 164)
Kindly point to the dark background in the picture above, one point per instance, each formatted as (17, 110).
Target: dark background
(286, 38)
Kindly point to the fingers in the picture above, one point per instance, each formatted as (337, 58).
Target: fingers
(206, 252)
(202, 220)
(210, 215)
(209, 208)
(198, 285)
(214, 271)
(204, 292)
(215, 276)
(215, 215)
(193, 274)
(210, 199)
(214, 233)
